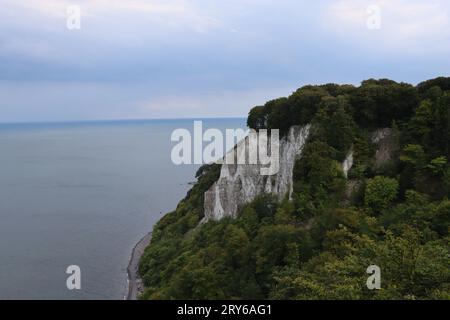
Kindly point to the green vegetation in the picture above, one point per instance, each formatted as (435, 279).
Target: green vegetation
(380, 193)
(394, 214)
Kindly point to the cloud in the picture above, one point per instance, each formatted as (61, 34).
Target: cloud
(31, 48)
(116, 13)
(50, 101)
(221, 103)
(176, 58)
(110, 29)
(414, 25)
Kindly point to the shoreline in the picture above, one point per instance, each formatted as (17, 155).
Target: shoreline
(134, 281)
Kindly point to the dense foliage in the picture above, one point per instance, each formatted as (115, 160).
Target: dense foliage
(393, 213)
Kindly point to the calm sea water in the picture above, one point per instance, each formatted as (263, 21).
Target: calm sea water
(83, 194)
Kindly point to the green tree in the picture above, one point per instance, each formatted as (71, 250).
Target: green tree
(303, 103)
(257, 118)
(441, 132)
(421, 125)
(380, 193)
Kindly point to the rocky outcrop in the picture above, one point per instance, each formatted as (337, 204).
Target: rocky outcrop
(239, 184)
(347, 164)
(386, 146)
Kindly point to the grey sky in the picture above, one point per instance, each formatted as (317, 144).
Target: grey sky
(193, 58)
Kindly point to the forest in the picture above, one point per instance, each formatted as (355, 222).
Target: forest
(319, 244)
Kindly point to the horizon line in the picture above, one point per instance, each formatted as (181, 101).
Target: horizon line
(113, 120)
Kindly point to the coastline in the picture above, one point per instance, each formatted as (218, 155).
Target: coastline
(135, 286)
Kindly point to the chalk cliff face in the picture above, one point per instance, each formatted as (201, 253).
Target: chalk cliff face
(239, 184)
(347, 164)
(386, 144)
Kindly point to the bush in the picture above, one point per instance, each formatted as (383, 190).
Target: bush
(380, 193)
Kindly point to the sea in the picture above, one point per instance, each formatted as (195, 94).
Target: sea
(83, 194)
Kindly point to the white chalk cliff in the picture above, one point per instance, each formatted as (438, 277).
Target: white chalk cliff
(239, 184)
(347, 164)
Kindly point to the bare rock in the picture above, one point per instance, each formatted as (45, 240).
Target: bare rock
(239, 184)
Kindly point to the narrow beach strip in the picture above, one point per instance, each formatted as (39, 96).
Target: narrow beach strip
(135, 285)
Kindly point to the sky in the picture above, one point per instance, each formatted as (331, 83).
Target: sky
(142, 59)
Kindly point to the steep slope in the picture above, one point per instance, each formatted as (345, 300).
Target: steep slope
(239, 184)
(348, 195)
